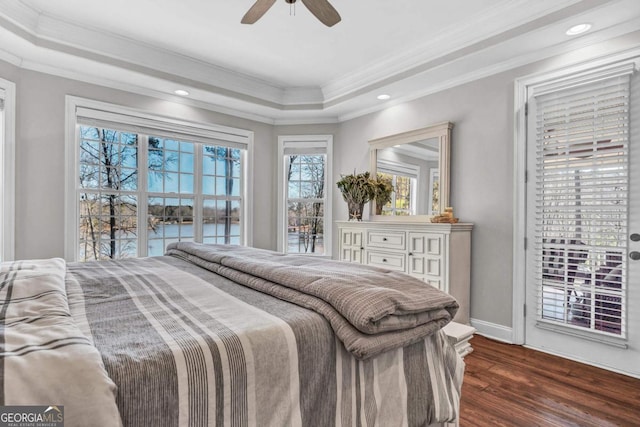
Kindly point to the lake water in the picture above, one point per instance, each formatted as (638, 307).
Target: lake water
(213, 233)
(169, 233)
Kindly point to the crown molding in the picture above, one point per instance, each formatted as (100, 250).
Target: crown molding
(20, 14)
(429, 54)
(52, 32)
(49, 44)
(580, 50)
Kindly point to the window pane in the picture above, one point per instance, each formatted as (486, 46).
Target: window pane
(107, 224)
(186, 183)
(221, 221)
(108, 165)
(305, 227)
(103, 154)
(169, 219)
(172, 145)
(305, 219)
(170, 161)
(171, 182)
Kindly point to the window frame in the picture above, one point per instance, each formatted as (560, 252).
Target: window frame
(400, 169)
(7, 176)
(570, 170)
(197, 132)
(522, 91)
(315, 144)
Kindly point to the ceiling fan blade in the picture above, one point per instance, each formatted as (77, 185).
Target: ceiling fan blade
(258, 9)
(323, 10)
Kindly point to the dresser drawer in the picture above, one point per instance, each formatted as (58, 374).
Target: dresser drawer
(387, 239)
(387, 260)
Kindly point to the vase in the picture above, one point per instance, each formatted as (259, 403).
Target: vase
(355, 210)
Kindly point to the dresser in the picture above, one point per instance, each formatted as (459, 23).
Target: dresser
(438, 254)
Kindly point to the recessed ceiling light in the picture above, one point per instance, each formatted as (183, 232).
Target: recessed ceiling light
(384, 97)
(578, 29)
(181, 92)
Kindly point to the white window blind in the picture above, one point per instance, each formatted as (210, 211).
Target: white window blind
(582, 174)
(141, 123)
(398, 168)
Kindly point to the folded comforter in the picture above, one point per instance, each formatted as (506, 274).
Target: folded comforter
(371, 310)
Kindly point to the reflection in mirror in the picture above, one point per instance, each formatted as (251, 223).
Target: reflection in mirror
(417, 164)
(413, 169)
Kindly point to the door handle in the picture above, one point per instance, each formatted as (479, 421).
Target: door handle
(635, 255)
(635, 237)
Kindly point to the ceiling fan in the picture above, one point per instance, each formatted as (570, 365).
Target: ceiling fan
(320, 8)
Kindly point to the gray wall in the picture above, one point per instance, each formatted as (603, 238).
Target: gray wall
(481, 174)
(40, 151)
(481, 164)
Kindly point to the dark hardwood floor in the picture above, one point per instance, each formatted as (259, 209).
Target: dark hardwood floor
(508, 385)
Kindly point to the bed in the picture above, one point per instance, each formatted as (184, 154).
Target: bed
(214, 335)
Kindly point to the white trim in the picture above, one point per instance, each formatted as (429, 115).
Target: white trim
(248, 176)
(7, 181)
(324, 142)
(102, 110)
(53, 48)
(584, 360)
(493, 330)
(519, 209)
(521, 89)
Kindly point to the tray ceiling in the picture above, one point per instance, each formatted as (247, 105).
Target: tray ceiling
(289, 67)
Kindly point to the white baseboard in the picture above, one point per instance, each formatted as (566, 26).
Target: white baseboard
(504, 334)
(493, 330)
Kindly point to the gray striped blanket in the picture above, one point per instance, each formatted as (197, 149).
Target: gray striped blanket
(187, 346)
(370, 309)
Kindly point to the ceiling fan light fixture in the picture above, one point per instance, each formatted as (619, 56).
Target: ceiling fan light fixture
(384, 97)
(321, 9)
(578, 29)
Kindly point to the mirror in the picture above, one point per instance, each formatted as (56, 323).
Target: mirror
(417, 163)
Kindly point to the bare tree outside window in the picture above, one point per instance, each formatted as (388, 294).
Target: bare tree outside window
(108, 176)
(221, 189)
(305, 203)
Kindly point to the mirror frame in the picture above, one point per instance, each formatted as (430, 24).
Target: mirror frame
(442, 131)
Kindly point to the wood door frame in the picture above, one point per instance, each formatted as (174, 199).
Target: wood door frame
(521, 96)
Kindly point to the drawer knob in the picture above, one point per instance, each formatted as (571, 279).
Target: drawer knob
(384, 260)
(384, 239)
(410, 253)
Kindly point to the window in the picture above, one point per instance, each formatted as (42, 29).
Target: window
(304, 212)
(144, 181)
(582, 194)
(404, 178)
(7, 156)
